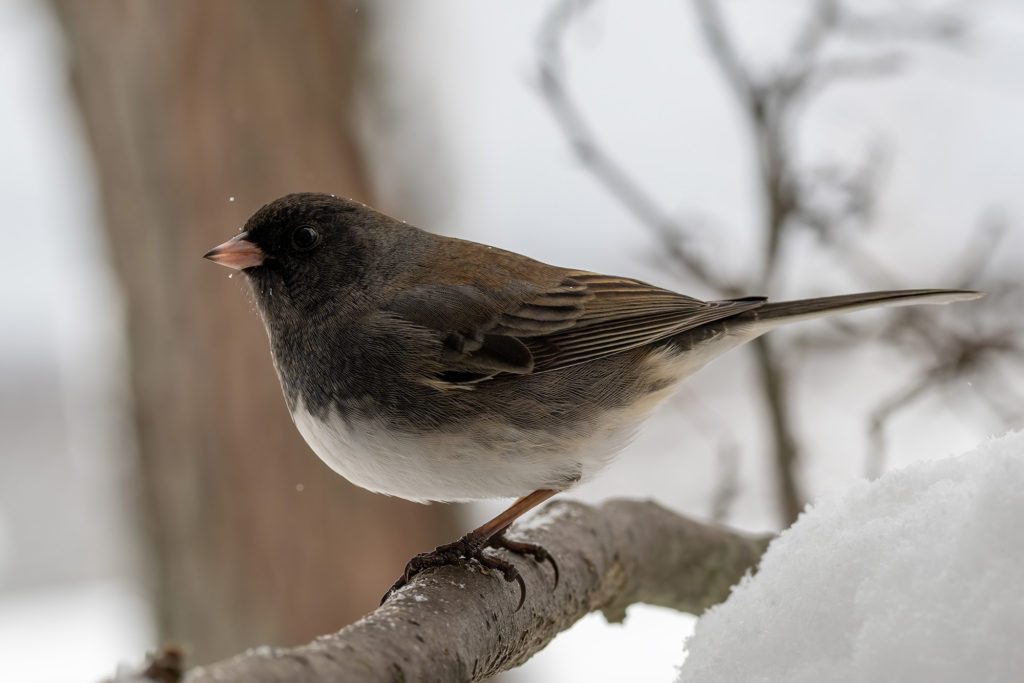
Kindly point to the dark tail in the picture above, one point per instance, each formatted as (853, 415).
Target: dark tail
(773, 314)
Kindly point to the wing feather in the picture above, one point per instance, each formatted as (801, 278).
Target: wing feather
(583, 317)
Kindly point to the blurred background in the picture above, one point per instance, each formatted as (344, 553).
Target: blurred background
(152, 487)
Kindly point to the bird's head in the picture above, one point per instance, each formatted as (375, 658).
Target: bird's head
(307, 253)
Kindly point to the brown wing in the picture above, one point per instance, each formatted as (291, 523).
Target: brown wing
(527, 329)
(623, 314)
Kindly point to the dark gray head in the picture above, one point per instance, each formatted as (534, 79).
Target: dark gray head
(308, 253)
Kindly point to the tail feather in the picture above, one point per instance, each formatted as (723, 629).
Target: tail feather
(805, 309)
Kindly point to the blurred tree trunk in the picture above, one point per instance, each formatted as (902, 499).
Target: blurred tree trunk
(198, 112)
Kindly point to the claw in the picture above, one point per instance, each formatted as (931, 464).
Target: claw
(508, 571)
(469, 550)
(460, 552)
(538, 552)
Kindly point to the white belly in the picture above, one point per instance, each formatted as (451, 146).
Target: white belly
(499, 461)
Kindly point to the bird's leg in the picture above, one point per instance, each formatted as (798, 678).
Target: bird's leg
(469, 549)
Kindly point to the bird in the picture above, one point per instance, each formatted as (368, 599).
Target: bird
(437, 369)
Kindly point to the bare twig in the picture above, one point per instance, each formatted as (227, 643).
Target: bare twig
(773, 383)
(727, 480)
(767, 110)
(833, 44)
(726, 54)
(592, 155)
(727, 461)
(816, 28)
(874, 464)
(903, 26)
(771, 104)
(852, 68)
(978, 359)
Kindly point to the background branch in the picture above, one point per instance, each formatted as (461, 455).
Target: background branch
(596, 159)
(833, 44)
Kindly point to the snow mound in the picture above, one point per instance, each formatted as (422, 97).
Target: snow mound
(918, 576)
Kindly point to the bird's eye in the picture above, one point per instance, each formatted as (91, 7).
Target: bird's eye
(305, 237)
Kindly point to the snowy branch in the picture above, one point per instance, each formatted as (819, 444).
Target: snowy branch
(458, 624)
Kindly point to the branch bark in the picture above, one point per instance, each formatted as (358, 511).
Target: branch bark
(458, 624)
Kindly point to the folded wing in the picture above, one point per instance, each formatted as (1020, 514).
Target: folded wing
(522, 330)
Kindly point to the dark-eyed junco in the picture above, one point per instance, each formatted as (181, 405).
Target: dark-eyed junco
(436, 369)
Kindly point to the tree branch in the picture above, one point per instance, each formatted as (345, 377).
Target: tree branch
(458, 624)
(676, 237)
(725, 52)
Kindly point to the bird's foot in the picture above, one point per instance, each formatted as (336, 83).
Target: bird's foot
(470, 550)
(538, 552)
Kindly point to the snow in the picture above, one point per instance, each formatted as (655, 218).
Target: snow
(914, 577)
(593, 650)
(77, 632)
(541, 519)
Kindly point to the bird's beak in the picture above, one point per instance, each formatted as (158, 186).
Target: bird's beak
(237, 253)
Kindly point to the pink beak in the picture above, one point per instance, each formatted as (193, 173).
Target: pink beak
(238, 253)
